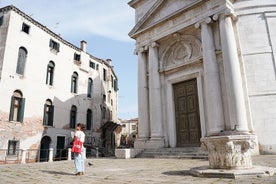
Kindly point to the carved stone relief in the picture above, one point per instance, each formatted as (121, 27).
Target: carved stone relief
(229, 152)
(184, 50)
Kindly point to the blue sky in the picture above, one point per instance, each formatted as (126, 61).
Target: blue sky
(104, 25)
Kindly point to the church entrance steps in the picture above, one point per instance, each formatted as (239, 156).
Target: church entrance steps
(181, 153)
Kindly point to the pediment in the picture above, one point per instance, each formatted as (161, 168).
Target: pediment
(160, 11)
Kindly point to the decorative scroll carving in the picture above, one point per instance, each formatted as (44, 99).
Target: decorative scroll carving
(184, 50)
(229, 152)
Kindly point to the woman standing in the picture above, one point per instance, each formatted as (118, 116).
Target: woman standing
(79, 157)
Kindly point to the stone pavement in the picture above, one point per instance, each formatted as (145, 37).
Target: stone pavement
(124, 171)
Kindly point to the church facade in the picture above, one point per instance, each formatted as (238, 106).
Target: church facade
(205, 68)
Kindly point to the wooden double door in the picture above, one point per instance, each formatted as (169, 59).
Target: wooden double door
(187, 114)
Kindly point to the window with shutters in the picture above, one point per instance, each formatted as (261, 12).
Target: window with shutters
(50, 73)
(90, 88)
(13, 147)
(89, 119)
(48, 117)
(54, 46)
(74, 82)
(73, 116)
(25, 28)
(21, 60)
(17, 107)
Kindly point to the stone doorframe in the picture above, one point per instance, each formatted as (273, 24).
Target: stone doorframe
(170, 110)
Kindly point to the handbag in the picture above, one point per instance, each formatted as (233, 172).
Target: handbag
(76, 148)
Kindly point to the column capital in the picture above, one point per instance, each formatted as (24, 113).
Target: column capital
(204, 21)
(154, 44)
(226, 13)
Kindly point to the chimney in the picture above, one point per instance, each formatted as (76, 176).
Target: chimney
(109, 61)
(83, 45)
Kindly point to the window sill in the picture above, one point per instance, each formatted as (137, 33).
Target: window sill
(54, 51)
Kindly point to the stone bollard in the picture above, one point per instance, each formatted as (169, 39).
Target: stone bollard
(69, 154)
(23, 159)
(51, 154)
(97, 152)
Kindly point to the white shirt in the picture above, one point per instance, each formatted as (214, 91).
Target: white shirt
(80, 135)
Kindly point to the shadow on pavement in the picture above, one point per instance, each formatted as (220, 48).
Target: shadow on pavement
(178, 173)
(57, 172)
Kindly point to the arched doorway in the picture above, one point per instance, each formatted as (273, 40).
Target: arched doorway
(44, 149)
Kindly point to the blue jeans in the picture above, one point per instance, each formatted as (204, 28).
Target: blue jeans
(79, 161)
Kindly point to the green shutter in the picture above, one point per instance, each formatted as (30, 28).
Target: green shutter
(11, 109)
(58, 47)
(21, 111)
(44, 114)
(1, 20)
(51, 115)
(51, 43)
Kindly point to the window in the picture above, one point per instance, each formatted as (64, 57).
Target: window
(103, 112)
(48, 117)
(116, 85)
(73, 117)
(74, 82)
(104, 74)
(50, 73)
(133, 127)
(25, 28)
(54, 45)
(92, 65)
(1, 20)
(89, 119)
(76, 57)
(104, 98)
(21, 60)
(17, 107)
(112, 81)
(13, 147)
(90, 88)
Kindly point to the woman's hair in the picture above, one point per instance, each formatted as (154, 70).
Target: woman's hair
(82, 126)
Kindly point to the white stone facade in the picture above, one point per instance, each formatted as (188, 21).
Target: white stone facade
(36, 40)
(227, 47)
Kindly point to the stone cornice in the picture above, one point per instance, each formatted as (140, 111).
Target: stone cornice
(135, 31)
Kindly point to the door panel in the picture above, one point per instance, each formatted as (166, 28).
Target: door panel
(187, 114)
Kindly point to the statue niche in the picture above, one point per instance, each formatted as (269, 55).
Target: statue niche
(186, 49)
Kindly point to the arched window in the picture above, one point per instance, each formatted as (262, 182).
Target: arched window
(73, 117)
(90, 88)
(74, 82)
(17, 107)
(89, 119)
(21, 60)
(48, 117)
(50, 73)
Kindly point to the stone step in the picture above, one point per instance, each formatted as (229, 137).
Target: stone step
(191, 153)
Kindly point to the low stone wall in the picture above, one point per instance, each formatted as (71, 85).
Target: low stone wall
(127, 153)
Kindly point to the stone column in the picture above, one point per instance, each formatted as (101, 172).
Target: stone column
(143, 105)
(69, 154)
(232, 72)
(156, 126)
(213, 97)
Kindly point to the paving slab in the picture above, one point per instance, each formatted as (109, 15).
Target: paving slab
(125, 171)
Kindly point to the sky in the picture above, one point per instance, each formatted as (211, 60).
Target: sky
(104, 25)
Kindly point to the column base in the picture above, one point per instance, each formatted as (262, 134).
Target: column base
(229, 151)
